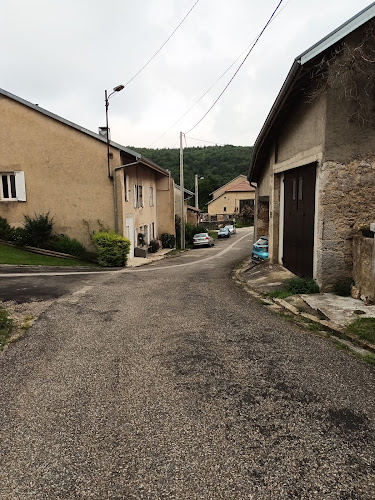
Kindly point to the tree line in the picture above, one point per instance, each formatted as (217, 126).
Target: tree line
(216, 164)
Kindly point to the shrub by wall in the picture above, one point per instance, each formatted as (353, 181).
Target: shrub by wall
(112, 248)
(168, 240)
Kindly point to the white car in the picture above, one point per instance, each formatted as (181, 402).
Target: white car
(203, 239)
(231, 228)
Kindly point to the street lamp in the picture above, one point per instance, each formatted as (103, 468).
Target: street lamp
(116, 89)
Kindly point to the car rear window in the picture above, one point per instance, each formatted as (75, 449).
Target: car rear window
(200, 235)
(262, 242)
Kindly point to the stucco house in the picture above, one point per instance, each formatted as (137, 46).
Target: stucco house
(230, 198)
(49, 164)
(314, 159)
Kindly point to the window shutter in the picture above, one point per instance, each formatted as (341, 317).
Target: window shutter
(135, 200)
(127, 186)
(20, 186)
(143, 195)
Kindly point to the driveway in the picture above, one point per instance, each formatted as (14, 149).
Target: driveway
(169, 381)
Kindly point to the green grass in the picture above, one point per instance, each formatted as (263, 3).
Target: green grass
(364, 328)
(6, 325)
(213, 234)
(18, 256)
(279, 294)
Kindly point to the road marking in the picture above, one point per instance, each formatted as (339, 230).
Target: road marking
(147, 268)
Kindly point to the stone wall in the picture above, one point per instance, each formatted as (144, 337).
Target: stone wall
(346, 198)
(364, 269)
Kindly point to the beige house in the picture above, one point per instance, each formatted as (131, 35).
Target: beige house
(48, 164)
(177, 201)
(230, 198)
(314, 159)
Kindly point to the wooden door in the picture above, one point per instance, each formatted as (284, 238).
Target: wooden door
(299, 212)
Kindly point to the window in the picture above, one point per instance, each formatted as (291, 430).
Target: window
(135, 196)
(300, 188)
(152, 230)
(140, 196)
(12, 186)
(151, 196)
(225, 209)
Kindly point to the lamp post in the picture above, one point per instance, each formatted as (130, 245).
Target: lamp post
(116, 89)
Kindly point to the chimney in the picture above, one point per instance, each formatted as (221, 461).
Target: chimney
(103, 132)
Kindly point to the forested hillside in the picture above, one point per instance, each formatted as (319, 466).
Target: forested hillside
(217, 164)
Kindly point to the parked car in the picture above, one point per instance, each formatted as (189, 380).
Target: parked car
(223, 233)
(260, 249)
(232, 228)
(203, 239)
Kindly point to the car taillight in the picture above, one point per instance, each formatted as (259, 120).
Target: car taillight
(207, 238)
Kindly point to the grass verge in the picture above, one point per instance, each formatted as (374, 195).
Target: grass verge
(18, 256)
(364, 328)
(6, 325)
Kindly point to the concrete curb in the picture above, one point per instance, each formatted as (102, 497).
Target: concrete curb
(355, 344)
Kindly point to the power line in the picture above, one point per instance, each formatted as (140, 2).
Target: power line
(157, 52)
(238, 69)
(216, 81)
(208, 142)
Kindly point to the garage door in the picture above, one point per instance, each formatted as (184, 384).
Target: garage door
(299, 211)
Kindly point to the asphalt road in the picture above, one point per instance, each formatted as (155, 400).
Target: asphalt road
(170, 381)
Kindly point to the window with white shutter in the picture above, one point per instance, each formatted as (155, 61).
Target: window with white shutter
(12, 186)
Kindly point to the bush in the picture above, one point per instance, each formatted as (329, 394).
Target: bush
(168, 240)
(191, 230)
(18, 236)
(113, 249)
(301, 285)
(343, 286)
(154, 245)
(213, 234)
(38, 230)
(5, 229)
(64, 244)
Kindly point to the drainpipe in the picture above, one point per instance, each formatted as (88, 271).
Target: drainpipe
(115, 189)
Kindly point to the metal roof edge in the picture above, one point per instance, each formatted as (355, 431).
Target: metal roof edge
(185, 190)
(68, 123)
(352, 24)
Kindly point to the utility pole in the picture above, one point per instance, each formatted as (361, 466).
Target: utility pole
(196, 191)
(182, 194)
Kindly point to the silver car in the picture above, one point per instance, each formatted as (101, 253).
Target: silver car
(232, 228)
(203, 239)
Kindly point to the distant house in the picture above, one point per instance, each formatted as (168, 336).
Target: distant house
(314, 159)
(177, 201)
(49, 164)
(232, 197)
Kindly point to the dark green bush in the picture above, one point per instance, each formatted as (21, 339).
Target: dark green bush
(18, 236)
(168, 240)
(191, 230)
(154, 246)
(301, 285)
(343, 286)
(64, 244)
(38, 230)
(5, 229)
(112, 248)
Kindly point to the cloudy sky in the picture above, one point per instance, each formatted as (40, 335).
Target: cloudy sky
(63, 54)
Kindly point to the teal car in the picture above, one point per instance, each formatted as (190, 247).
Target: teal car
(260, 249)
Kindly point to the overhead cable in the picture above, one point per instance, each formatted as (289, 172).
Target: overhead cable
(157, 52)
(216, 81)
(238, 69)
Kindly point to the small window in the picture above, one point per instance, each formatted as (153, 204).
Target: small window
(300, 188)
(140, 196)
(153, 230)
(8, 182)
(135, 196)
(126, 185)
(225, 209)
(12, 186)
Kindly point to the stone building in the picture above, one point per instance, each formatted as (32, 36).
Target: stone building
(49, 164)
(314, 158)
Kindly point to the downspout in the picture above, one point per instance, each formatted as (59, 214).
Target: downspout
(115, 190)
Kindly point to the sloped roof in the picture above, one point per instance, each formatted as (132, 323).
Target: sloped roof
(295, 72)
(98, 137)
(241, 187)
(221, 187)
